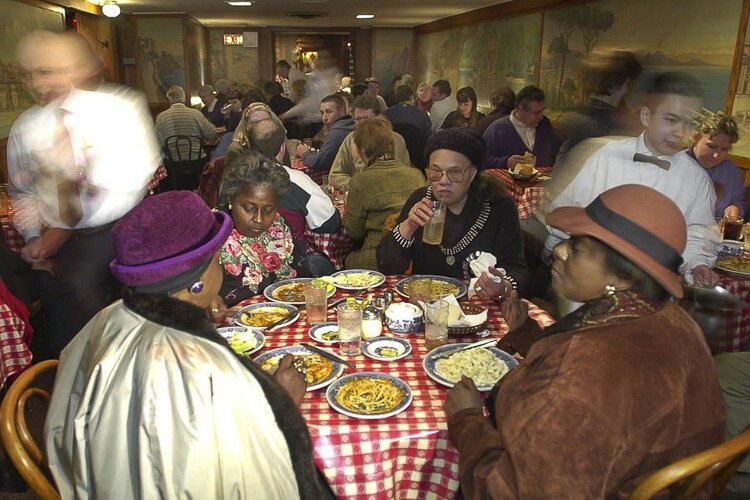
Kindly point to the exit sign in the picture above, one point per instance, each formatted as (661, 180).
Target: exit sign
(237, 39)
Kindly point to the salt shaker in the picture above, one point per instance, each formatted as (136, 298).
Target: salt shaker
(372, 326)
(388, 295)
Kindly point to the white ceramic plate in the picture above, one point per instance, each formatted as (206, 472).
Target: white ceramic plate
(259, 307)
(253, 336)
(428, 363)
(325, 333)
(298, 350)
(402, 287)
(357, 279)
(342, 383)
(386, 348)
(271, 292)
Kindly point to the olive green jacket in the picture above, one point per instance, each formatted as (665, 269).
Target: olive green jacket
(347, 161)
(375, 193)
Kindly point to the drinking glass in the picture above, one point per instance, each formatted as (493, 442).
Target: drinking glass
(316, 302)
(350, 328)
(720, 226)
(436, 323)
(746, 237)
(732, 228)
(420, 289)
(433, 230)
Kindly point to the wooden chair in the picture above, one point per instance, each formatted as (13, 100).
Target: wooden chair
(22, 402)
(690, 474)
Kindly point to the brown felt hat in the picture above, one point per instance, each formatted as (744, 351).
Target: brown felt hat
(642, 224)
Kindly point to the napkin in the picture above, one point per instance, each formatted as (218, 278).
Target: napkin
(481, 265)
(457, 317)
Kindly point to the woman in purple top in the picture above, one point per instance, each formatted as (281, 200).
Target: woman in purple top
(715, 134)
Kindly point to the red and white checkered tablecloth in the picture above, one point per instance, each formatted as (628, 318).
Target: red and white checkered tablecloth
(159, 175)
(528, 195)
(736, 336)
(408, 455)
(335, 246)
(11, 236)
(15, 335)
(318, 177)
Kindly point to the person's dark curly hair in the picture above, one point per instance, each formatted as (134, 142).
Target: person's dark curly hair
(253, 169)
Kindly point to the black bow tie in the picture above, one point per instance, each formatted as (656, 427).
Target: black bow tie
(663, 164)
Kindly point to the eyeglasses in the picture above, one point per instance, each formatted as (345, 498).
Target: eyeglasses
(454, 174)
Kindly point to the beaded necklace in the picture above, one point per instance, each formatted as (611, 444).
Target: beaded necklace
(450, 253)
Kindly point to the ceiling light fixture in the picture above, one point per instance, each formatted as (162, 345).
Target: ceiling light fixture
(240, 4)
(110, 8)
(365, 16)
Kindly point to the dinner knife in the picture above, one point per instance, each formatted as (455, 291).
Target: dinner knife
(334, 304)
(326, 354)
(278, 322)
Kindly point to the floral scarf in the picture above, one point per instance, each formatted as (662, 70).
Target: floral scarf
(257, 258)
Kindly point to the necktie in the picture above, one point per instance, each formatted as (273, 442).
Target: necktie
(68, 194)
(663, 164)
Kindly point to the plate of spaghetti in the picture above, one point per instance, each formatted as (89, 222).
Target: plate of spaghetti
(369, 395)
(319, 370)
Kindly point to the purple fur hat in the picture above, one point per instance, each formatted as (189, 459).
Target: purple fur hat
(165, 236)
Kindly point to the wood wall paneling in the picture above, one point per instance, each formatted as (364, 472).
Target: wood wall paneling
(100, 32)
(362, 54)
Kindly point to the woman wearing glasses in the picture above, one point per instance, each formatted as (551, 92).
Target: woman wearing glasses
(479, 218)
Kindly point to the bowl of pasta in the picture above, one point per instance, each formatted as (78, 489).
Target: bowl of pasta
(484, 365)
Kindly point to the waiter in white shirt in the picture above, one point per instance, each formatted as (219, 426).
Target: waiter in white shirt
(657, 159)
(76, 164)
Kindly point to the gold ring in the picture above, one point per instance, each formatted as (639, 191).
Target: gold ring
(214, 310)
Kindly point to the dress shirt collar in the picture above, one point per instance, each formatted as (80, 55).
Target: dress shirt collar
(640, 147)
(528, 134)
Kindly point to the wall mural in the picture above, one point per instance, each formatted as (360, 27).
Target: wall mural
(505, 52)
(16, 20)
(392, 55)
(704, 50)
(161, 56)
(485, 56)
(741, 105)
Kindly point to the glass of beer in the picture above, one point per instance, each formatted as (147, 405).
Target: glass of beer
(436, 324)
(433, 230)
(316, 302)
(746, 238)
(350, 328)
(732, 228)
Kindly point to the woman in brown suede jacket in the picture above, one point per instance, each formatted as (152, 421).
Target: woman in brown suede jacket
(613, 391)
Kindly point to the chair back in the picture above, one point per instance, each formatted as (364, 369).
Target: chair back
(183, 148)
(22, 416)
(686, 477)
(184, 160)
(209, 185)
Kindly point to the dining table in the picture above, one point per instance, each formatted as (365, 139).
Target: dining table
(408, 455)
(529, 195)
(735, 337)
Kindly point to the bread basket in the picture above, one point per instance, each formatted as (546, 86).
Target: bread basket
(462, 331)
